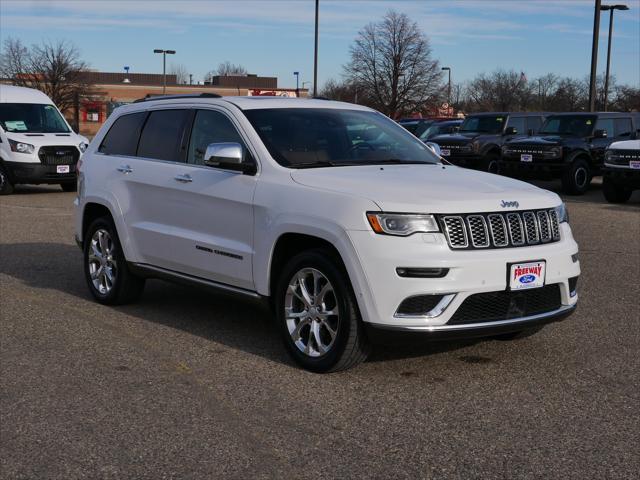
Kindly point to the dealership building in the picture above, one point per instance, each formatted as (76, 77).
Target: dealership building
(110, 90)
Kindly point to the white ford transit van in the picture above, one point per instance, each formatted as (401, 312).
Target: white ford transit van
(37, 145)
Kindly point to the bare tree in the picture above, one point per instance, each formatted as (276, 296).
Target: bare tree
(571, 95)
(392, 66)
(499, 91)
(54, 68)
(228, 69)
(342, 91)
(181, 73)
(627, 99)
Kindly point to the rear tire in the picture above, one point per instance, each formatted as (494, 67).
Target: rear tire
(318, 315)
(6, 187)
(576, 179)
(69, 186)
(614, 192)
(105, 266)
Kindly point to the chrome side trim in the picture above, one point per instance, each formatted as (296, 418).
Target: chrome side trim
(478, 326)
(171, 274)
(433, 313)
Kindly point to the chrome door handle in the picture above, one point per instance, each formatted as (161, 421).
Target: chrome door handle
(186, 178)
(125, 169)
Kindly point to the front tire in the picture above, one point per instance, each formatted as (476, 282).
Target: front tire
(576, 179)
(615, 193)
(491, 164)
(6, 187)
(105, 266)
(317, 314)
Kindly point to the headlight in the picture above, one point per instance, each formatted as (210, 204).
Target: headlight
(476, 146)
(83, 146)
(554, 152)
(21, 147)
(402, 224)
(561, 211)
(608, 156)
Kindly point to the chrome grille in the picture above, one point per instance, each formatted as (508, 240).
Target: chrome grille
(499, 230)
(455, 231)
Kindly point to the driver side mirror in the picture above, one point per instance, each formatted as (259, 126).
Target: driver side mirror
(510, 131)
(227, 155)
(434, 147)
(600, 133)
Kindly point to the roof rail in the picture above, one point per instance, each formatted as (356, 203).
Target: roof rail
(149, 97)
(320, 98)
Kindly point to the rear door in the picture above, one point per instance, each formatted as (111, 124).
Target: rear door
(213, 221)
(146, 189)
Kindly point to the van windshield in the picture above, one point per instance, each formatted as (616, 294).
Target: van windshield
(31, 118)
(318, 137)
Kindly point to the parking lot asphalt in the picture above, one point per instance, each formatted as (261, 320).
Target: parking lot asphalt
(186, 384)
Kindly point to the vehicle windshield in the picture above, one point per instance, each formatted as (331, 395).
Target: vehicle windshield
(313, 137)
(31, 118)
(484, 124)
(576, 125)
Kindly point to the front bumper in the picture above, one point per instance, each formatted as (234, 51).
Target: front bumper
(469, 272)
(622, 176)
(36, 173)
(541, 169)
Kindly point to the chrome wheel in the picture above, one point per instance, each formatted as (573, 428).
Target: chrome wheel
(311, 312)
(103, 268)
(581, 176)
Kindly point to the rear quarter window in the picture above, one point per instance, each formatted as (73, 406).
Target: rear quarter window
(122, 137)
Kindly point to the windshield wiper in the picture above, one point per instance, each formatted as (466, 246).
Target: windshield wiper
(319, 164)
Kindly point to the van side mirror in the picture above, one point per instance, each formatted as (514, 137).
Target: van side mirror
(510, 131)
(600, 133)
(227, 155)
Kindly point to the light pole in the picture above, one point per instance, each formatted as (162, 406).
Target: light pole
(306, 83)
(448, 69)
(315, 55)
(297, 74)
(164, 66)
(594, 56)
(611, 8)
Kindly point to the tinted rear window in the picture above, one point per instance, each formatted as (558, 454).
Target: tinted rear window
(122, 137)
(163, 134)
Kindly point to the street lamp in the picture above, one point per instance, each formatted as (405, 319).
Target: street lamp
(164, 66)
(448, 69)
(611, 8)
(297, 74)
(315, 55)
(306, 83)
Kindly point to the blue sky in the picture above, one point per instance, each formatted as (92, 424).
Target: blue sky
(276, 37)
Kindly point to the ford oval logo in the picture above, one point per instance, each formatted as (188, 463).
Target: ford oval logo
(527, 278)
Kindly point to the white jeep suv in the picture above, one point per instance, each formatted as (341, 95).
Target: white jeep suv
(341, 218)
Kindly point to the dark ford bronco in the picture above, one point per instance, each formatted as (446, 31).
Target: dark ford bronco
(569, 146)
(477, 143)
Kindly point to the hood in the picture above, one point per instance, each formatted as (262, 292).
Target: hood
(625, 145)
(43, 139)
(428, 188)
(455, 138)
(543, 140)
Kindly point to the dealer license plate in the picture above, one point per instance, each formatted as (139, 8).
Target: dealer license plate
(527, 275)
(526, 157)
(445, 152)
(62, 169)
(635, 164)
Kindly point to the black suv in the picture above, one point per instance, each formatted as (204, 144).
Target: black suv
(569, 146)
(477, 143)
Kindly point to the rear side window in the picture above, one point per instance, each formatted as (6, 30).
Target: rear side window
(623, 127)
(162, 135)
(122, 137)
(534, 123)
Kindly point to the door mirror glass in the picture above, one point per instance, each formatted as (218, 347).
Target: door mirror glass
(224, 155)
(511, 131)
(434, 147)
(600, 133)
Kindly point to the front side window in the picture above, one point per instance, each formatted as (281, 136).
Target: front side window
(314, 137)
(484, 124)
(533, 123)
(573, 125)
(210, 127)
(162, 135)
(31, 118)
(518, 123)
(122, 137)
(606, 124)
